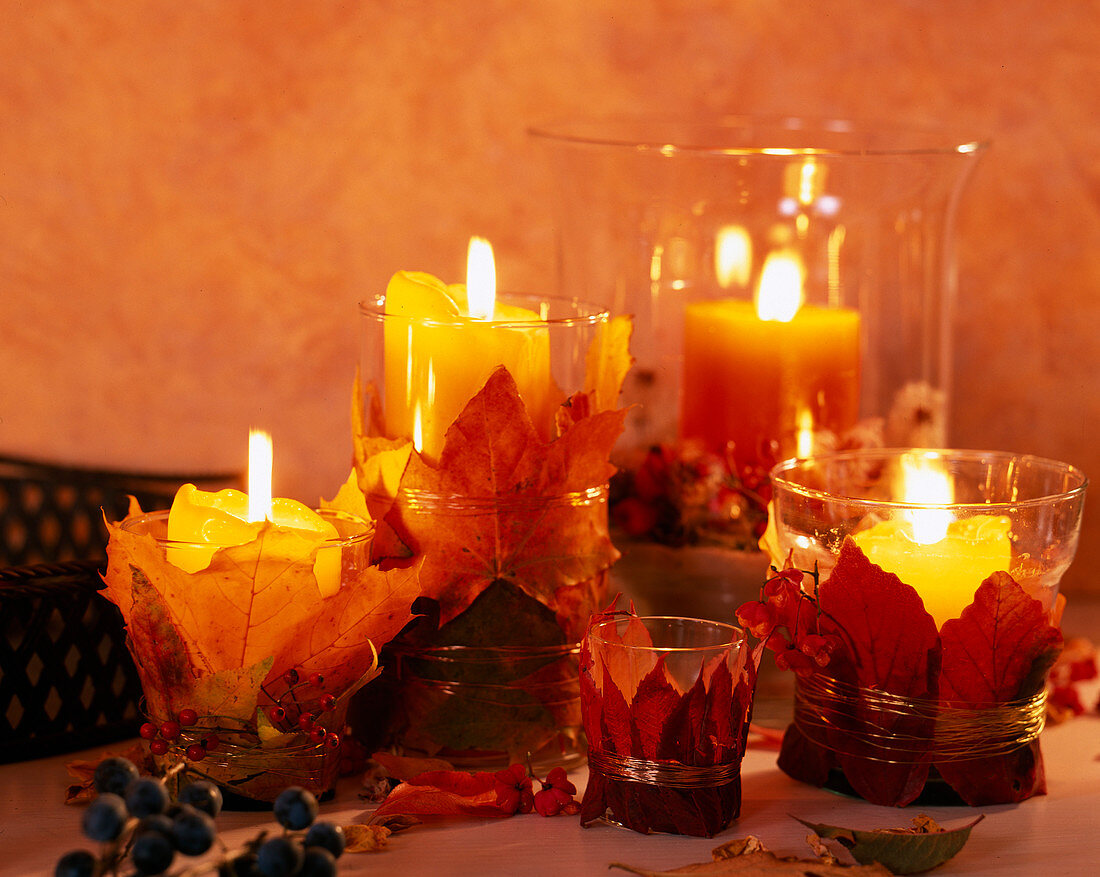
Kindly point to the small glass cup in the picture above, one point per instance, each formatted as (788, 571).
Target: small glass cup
(666, 704)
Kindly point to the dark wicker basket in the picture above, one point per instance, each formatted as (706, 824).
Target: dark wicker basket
(66, 678)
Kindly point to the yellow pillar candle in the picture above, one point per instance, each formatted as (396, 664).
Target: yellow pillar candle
(947, 571)
(200, 522)
(441, 348)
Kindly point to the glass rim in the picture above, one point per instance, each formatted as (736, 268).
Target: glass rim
(131, 522)
(737, 635)
(866, 455)
(730, 135)
(591, 314)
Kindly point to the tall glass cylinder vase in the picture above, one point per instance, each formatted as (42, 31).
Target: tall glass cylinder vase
(791, 284)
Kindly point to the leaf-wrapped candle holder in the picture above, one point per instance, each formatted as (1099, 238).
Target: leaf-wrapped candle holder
(248, 645)
(915, 597)
(667, 703)
(507, 503)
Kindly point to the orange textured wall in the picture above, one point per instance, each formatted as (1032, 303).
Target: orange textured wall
(194, 196)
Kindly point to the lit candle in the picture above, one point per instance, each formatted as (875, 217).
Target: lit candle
(943, 558)
(764, 372)
(204, 521)
(446, 343)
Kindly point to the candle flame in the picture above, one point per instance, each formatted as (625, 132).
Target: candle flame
(924, 480)
(805, 439)
(779, 295)
(481, 279)
(418, 429)
(732, 255)
(260, 457)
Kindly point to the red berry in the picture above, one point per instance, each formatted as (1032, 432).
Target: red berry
(316, 680)
(196, 752)
(188, 717)
(305, 721)
(210, 742)
(276, 714)
(158, 747)
(317, 734)
(332, 741)
(170, 730)
(148, 731)
(290, 677)
(328, 703)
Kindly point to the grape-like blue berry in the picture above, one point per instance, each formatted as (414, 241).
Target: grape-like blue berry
(105, 817)
(157, 822)
(328, 836)
(146, 796)
(296, 808)
(78, 863)
(279, 857)
(152, 853)
(318, 862)
(114, 775)
(193, 831)
(202, 795)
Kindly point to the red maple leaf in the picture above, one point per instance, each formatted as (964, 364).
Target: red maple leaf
(997, 651)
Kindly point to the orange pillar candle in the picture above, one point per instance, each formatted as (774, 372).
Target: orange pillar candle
(767, 382)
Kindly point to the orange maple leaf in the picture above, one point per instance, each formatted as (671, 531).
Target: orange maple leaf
(503, 505)
(209, 639)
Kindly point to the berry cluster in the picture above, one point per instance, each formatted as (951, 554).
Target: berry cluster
(514, 786)
(134, 818)
(292, 712)
(786, 620)
(138, 825)
(161, 736)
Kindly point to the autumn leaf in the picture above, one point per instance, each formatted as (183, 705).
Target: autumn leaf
(998, 651)
(746, 858)
(441, 794)
(365, 838)
(903, 851)
(204, 634)
(891, 645)
(403, 767)
(83, 771)
(523, 514)
(607, 362)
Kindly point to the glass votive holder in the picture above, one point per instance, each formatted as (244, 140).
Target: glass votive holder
(225, 631)
(666, 704)
(504, 496)
(918, 607)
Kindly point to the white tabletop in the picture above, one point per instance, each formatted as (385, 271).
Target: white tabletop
(1056, 834)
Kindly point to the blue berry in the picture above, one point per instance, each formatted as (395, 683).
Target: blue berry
(193, 831)
(202, 795)
(157, 822)
(105, 817)
(328, 836)
(296, 808)
(114, 775)
(146, 796)
(152, 853)
(279, 857)
(78, 863)
(318, 862)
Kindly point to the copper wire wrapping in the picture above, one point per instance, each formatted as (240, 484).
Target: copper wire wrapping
(668, 774)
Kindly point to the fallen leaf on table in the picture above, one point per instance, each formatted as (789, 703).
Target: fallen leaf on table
(83, 770)
(762, 862)
(902, 850)
(365, 838)
(402, 767)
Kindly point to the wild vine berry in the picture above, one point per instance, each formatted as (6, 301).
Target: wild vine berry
(158, 747)
(328, 703)
(332, 740)
(290, 677)
(793, 659)
(114, 775)
(277, 714)
(514, 789)
(211, 742)
(316, 680)
(188, 717)
(555, 794)
(317, 734)
(195, 752)
(305, 721)
(296, 808)
(170, 730)
(148, 731)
